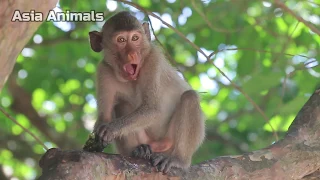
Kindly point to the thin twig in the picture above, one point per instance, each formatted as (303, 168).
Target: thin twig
(25, 129)
(256, 50)
(285, 79)
(303, 67)
(290, 74)
(299, 18)
(287, 42)
(295, 27)
(159, 42)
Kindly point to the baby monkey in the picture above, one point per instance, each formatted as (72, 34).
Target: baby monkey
(143, 104)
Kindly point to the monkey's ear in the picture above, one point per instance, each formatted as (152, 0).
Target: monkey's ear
(145, 26)
(95, 41)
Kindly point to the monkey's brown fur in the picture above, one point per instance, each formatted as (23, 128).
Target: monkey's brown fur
(143, 104)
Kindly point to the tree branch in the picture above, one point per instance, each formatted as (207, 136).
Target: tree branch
(299, 18)
(24, 129)
(18, 32)
(297, 156)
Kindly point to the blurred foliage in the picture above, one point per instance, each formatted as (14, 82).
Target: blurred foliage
(271, 56)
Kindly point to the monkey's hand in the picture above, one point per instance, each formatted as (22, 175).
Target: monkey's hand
(106, 133)
(93, 144)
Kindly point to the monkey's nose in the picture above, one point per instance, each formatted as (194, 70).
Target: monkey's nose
(133, 57)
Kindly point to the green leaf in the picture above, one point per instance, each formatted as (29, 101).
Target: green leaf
(261, 82)
(60, 126)
(246, 64)
(5, 156)
(195, 82)
(70, 86)
(16, 130)
(38, 97)
(296, 29)
(294, 106)
(90, 68)
(210, 109)
(144, 3)
(279, 123)
(75, 99)
(282, 25)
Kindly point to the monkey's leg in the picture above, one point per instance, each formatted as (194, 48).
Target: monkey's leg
(187, 131)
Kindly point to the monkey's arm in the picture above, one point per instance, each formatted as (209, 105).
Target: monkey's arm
(106, 90)
(105, 96)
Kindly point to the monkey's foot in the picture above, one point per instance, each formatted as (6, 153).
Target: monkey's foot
(165, 162)
(142, 151)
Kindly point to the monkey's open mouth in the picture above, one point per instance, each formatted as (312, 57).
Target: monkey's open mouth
(134, 66)
(131, 69)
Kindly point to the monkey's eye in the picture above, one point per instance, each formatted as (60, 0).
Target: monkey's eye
(135, 37)
(121, 39)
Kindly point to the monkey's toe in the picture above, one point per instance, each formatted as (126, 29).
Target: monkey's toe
(142, 151)
(164, 163)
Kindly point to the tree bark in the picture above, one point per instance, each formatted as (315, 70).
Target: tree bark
(17, 32)
(297, 156)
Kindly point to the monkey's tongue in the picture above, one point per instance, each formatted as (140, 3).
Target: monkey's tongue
(130, 68)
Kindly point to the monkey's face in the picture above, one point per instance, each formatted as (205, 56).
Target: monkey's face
(127, 47)
(124, 50)
(125, 41)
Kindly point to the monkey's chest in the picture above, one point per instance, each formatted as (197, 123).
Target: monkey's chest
(127, 103)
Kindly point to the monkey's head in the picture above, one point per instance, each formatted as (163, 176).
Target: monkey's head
(125, 42)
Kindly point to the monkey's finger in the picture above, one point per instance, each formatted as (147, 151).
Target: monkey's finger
(107, 138)
(168, 167)
(148, 152)
(163, 164)
(101, 131)
(104, 137)
(135, 153)
(145, 151)
(156, 160)
(141, 151)
(104, 134)
(104, 143)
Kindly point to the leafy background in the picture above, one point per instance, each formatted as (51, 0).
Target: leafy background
(268, 54)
